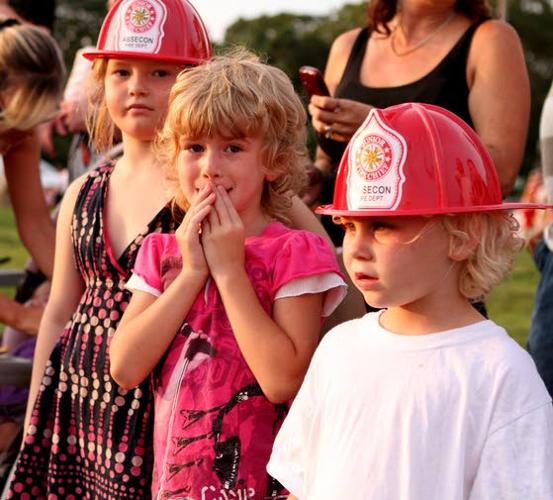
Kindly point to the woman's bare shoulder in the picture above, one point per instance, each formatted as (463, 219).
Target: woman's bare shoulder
(344, 42)
(338, 57)
(495, 44)
(494, 35)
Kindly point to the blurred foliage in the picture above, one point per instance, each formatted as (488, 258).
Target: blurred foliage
(510, 304)
(290, 41)
(78, 25)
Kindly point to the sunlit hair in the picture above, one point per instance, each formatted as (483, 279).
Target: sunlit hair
(381, 12)
(236, 95)
(32, 73)
(102, 130)
(493, 255)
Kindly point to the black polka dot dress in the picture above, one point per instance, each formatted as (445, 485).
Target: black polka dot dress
(88, 437)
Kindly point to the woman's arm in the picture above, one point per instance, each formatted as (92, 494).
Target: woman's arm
(34, 224)
(23, 318)
(66, 291)
(499, 98)
(302, 217)
(277, 349)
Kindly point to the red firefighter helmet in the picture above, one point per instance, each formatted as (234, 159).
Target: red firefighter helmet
(165, 30)
(416, 159)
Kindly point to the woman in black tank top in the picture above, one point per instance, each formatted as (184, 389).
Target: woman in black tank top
(445, 52)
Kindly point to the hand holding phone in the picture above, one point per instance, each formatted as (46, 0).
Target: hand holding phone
(313, 82)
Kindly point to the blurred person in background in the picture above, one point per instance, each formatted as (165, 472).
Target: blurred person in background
(71, 119)
(540, 339)
(31, 81)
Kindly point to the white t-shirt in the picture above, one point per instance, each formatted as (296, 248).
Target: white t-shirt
(454, 415)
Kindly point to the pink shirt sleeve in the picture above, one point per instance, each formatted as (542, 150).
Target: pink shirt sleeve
(303, 255)
(148, 262)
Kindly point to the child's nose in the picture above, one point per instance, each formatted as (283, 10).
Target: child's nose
(138, 86)
(210, 169)
(358, 245)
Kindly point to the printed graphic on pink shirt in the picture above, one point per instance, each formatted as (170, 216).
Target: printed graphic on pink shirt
(214, 428)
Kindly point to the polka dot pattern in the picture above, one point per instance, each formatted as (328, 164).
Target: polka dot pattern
(88, 438)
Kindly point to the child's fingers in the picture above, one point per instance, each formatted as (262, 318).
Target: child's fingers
(206, 227)
(200, 206)
(192, 222)
(204, 194)
(219, 212)
(229, 209)
(214, 216)
(225, 208)
(199, 216)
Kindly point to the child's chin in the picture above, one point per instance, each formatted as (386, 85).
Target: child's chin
(375, 302)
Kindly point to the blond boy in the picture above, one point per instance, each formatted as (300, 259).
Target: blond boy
(425, 399)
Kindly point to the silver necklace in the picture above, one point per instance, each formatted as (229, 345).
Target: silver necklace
(424, 41)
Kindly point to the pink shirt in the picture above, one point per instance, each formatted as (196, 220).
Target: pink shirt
(214, 428)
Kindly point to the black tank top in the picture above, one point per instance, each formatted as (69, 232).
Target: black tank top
(445, 86)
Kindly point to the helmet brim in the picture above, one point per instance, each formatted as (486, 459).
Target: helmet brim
(330, 210)
(106, 54)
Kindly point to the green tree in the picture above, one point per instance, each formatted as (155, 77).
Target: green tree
(290, 41)
(78, 25)
(286, 40)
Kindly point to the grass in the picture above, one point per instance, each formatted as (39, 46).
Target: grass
(10, 246)
(510, 305)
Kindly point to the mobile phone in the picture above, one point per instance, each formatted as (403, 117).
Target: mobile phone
(313, 82)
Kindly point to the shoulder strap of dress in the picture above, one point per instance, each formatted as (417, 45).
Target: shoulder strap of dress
(356, 55)
(98, 176)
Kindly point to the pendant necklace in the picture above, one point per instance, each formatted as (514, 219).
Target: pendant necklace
(424, 41)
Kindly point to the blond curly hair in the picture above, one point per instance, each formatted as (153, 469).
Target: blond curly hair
(493, 241)
(237, 95)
